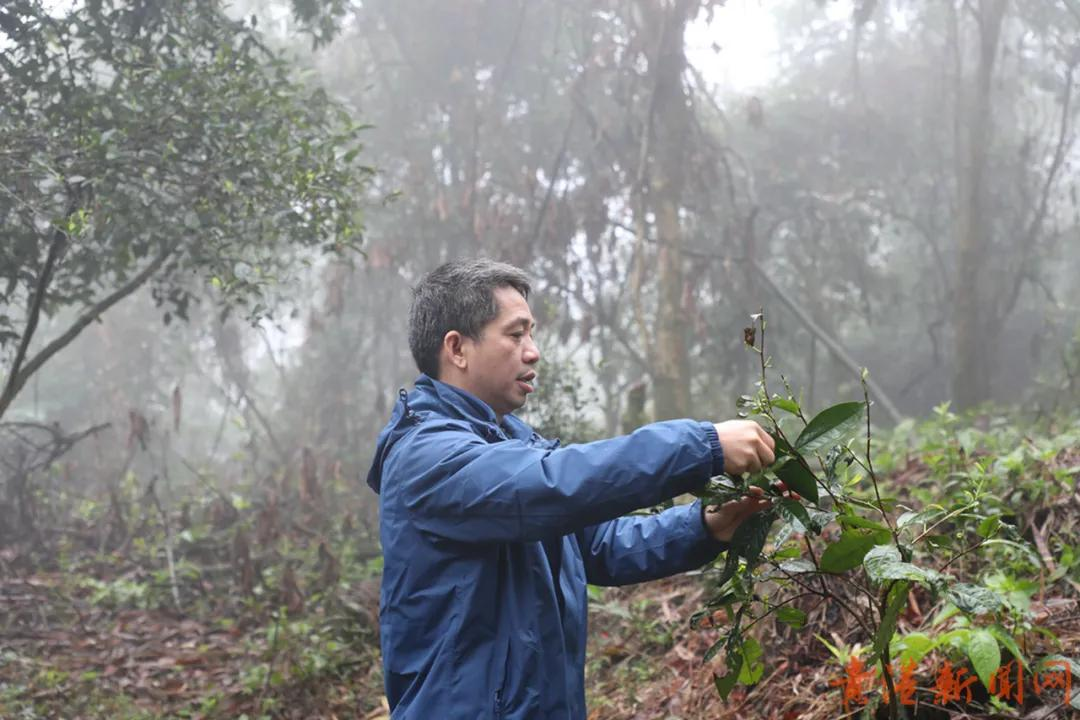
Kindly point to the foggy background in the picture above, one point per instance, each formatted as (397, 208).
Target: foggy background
(863, 172)
(210, 227)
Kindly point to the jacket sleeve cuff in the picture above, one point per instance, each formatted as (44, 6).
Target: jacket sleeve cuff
(717, 450)
(713, 547)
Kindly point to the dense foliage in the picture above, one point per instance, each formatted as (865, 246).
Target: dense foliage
(958, 543)
(156, 143)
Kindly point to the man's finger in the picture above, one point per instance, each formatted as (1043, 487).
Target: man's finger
(765, 455)
(766, 438)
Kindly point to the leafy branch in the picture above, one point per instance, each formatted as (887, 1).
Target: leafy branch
(825, 549)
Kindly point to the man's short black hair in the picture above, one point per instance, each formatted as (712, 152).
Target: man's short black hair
(458, 295)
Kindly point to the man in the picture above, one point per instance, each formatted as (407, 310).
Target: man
(490, 532)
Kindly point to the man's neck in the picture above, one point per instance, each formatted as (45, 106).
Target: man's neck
(459, 382)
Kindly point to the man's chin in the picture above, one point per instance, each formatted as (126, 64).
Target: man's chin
(519, 401)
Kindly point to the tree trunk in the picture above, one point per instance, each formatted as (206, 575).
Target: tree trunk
(671, 364)
(974, 337)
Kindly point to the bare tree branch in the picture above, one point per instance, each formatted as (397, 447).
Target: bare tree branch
(1039, 217)
(833, 345)
(33, 314)
(18, 378)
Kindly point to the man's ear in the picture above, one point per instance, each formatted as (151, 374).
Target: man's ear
(454, 349)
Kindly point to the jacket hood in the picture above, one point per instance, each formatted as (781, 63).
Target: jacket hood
(434, 396)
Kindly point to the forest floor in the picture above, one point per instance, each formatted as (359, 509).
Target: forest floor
(92, 634)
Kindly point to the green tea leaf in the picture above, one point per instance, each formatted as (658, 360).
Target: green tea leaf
(724, 685)
(786, 404)
(831, 426)
(1007, 641)
(918, 518)
(794, 617)
(893, 605)
(752, 666)
(914, 646)
(794, 509)
(989, 526)
(782, 448)
(883, 562)
(820, 518)
(731, 566)
(713, 649)
(788, 553)
(856, 521)
(984, 653)
(974, 599)
(749, 538)
(1026, 550)
(795, 475)
(847, 553)
(797, 567)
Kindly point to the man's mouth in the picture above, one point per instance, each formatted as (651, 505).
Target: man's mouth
(526, 382)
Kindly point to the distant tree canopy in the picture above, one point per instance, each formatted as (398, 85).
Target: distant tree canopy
(156, 142)
(902, 186)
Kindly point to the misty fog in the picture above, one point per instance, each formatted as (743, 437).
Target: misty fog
(212, 217)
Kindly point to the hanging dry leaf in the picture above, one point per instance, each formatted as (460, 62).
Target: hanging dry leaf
(290, 595)
(177, 403)
(309, 477)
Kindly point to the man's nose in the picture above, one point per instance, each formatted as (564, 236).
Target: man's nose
(532, 352)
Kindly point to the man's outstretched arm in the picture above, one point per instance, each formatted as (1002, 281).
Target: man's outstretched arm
(638, 548)
(457, 486)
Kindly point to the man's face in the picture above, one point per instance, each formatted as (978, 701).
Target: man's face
(500, 363)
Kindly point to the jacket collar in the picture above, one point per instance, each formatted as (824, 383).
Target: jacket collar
(463, 402)
(451, 399)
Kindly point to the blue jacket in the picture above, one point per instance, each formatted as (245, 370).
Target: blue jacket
(489, 535)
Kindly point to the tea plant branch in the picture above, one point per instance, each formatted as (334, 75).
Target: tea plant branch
(874, 567)
(861, 588)
(817, 565)
(767, 405)
(828, 595)
(894, 709)
(824, 592)
(962, 553)
(798, 407)
(781, 604)
(945, 518)
(870, 463)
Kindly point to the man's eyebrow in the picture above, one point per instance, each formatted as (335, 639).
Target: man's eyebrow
(520, 321)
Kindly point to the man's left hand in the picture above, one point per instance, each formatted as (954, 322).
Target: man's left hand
(722, 520)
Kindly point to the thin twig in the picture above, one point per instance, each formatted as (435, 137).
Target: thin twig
(168, 543)
(870, 466)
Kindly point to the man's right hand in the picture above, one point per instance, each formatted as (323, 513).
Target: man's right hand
(746, 445)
